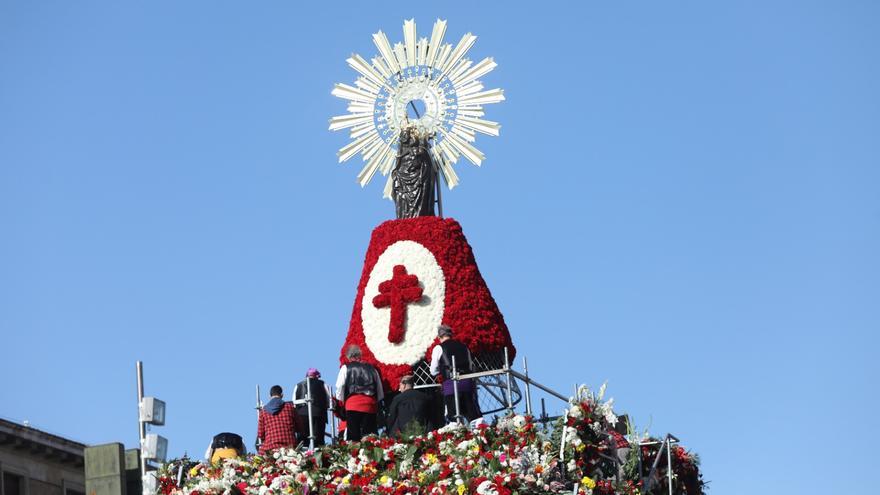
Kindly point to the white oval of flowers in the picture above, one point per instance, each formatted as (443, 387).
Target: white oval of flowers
(422, 317)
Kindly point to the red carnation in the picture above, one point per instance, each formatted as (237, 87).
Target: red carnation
(419, 273)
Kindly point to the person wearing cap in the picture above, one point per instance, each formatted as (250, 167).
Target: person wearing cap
(409, 410)
(441, 365)
(320, 405)
(359, 388)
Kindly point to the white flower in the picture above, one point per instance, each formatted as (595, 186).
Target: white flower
(487, 488)
(451, 427)
(466, 445)
(512, 423)
(422, 319)
(611, 419)
(584, 393)
(607, 410)
(602, 390)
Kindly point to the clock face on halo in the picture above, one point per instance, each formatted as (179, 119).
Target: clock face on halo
(422, 317)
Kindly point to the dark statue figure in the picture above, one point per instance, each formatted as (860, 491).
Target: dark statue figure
(413, 177)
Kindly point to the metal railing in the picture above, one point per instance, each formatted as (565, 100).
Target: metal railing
(487, 371)
(665, 444)
(511, 374)
(489, 379)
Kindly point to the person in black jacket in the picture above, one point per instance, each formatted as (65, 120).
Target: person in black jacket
(320, 405)
(441, 364)
(359, 388)
(410, 406)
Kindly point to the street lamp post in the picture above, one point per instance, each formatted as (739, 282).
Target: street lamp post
(151, 411)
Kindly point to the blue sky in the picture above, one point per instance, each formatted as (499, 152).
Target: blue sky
(683, 201)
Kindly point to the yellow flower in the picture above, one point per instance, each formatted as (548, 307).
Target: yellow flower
(581, 447)
(194, 471)
(461, 489)
(432, 459)
(588, 482)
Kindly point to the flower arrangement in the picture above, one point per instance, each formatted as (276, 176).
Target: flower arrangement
(515, 455)
(434, 251)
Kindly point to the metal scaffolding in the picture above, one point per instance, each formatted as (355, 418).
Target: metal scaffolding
(495, 392)
(492, 379)
(498, 390)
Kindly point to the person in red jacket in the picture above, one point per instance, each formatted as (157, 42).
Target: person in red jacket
(276, 426)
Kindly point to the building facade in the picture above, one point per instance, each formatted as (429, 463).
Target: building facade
(34, 462)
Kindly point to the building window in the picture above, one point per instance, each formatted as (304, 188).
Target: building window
(13, 484)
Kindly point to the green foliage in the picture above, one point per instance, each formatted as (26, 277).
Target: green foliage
(413, 429)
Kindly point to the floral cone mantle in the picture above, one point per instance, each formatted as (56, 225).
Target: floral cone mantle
(395, 323)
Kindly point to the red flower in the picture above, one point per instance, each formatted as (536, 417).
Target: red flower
(468, 306)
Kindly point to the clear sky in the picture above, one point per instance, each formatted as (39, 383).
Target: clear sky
(683, 201)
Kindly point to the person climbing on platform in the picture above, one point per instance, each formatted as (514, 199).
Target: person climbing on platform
(359, 387)
(409, 410)
(441, 365)
(276, 426)
(320, 405)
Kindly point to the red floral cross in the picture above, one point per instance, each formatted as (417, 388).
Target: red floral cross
(397, 292)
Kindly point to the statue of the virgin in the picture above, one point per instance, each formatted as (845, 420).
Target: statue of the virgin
(413, 177)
